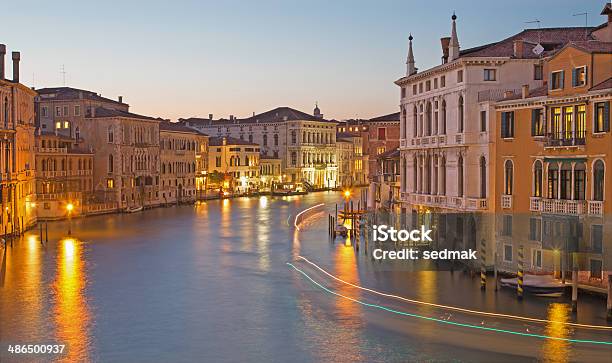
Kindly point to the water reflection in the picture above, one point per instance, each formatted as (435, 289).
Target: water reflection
(557, 351)
(71, 311)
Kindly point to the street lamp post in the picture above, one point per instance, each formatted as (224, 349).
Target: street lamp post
(69, 208)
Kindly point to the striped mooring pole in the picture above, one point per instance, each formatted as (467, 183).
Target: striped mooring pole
(357, 234)
(519, 280)
(483, 268)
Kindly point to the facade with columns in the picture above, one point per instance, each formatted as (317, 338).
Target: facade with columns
(306, 144)
(447, 136)
(17, 172)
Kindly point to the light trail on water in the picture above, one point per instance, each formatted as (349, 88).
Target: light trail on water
(455, 308)
(465, 325)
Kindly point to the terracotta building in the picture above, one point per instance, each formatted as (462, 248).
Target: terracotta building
(17, 184)
(553, 157)
(181, 162)
(64, 176)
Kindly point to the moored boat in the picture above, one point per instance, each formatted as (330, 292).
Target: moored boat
(540, 285)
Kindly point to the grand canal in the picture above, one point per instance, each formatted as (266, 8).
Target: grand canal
(211, 282)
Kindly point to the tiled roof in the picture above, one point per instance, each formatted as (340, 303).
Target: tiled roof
(390, 117)
(175, 126)
(279, 114)
(550, 38)
(105, 112)
(69, 93)
(536, 92)
(341, 135)
(593, 46)
(603, 85)
(218, 141)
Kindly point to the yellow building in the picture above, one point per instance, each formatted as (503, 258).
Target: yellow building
(553, 158)
(17, 118)
(237, 161)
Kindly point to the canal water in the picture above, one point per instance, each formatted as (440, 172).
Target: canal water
(210, 283)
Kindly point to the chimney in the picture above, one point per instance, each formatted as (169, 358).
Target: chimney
(2, 54)
(16, 58)
(508, 93)
(445, 42)
(210, 116)
(525, 91)
(518, 48)
(120, 99)
(224, 140)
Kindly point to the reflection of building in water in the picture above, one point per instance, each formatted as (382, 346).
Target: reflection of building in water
(554, 151)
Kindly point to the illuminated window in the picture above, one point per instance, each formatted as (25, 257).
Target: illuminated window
(58, 125)
(110, 183)
(66, 124)
(602, 117)
(579, 76)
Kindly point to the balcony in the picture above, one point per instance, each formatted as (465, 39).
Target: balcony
(562, 206)
(506, 201)
(595, 207)
(52, 150)
(565, 139)
(443, 201)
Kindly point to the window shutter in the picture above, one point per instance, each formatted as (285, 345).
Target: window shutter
(562, 80)
(533, 122)
(586, 75)
(607, 116)
(550, 81)
(574, 77)
(504, 121)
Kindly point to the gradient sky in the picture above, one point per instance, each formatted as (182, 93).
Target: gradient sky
(191, 58)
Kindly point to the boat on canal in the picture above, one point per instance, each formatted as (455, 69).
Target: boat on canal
(288, 188)
(539, 285)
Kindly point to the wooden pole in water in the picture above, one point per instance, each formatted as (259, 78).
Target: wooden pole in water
(40, 230)
(574, 283)
(483, 268)
(495, 272)
(46, 232)
(519, 279)
(609, 305)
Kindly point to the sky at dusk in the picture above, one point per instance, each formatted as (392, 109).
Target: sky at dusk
(191, 58)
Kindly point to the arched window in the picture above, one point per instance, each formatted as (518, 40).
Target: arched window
(415, 165)
(565, 178)
(443, 119)
(443, 176)
(403, 124)
(110, 134)
(265, 140)
(428, 174)
(460, 114)
(537, 179)
(553, 181)
(598, 180)
(483, 177)
(110, 163)
(246, 161)
(303, 137)
(460, 177)
(508, 177)
(415, 117)
(77, 133)
(434, 181)
(276, 140)
(293, 158)
(421, 120)
(579, 181)
(428, 118)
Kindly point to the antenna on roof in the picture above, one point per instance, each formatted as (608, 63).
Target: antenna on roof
(586, 23)
(63, 73)
(538, 49)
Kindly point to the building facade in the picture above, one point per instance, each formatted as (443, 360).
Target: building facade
(237, 161)
(554, 151)
(352, 163)
(181, 160)
(17, 171)
(304, 143)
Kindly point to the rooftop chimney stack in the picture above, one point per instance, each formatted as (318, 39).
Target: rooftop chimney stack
(518, 48)
(525, 91)
(445, 41)
(120, 99)
(16, 58)
(210, 116)
(2, 54)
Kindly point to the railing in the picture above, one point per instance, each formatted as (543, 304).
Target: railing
(570, 138)
(59, 196)
(64, 173)
(535, 204)
(561, 206)
(52, 150)
(444, 201)
(459, 138)
(506, 201)
(595, 207)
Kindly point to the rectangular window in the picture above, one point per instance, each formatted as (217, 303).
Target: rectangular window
(601, 123)
(536, 258)
(483, 121)
(490, 75)
(403, 92)
(507, 226)
(110, 183)
(58, 124)
(596, 269)
(538, 72)
(579, 76)
(414, 89)
(557, 80)
(508, 253)
(537, 123)
(443, 81)
(77, 110)
(596, 238)
(535, 229)
(44, 111)
(507, 125)
(555, 122)
(58, 111)
(382, 133)
(459, 76)
(428, 86)
(421, 87)
(435, 83)
(218, 161)
(65, 110)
